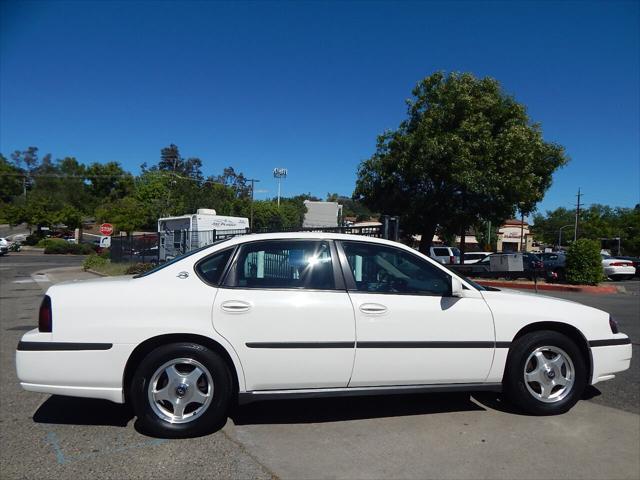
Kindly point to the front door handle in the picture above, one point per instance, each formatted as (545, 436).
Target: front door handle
(235, 306)
(373, 309)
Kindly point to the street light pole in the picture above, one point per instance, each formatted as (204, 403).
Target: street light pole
(560, 234)
(279, 173)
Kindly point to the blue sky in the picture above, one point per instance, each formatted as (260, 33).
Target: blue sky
(309, 85)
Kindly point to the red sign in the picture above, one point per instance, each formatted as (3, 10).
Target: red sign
(106, 229)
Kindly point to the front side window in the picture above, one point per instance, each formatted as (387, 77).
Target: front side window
(383, 269)
(284, 264)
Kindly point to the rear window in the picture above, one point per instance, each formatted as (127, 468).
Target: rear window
(441, 252)
(179, 259)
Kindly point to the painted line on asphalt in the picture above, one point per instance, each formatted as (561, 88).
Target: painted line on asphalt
(62, 459)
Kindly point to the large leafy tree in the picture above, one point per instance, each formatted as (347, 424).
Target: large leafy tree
(466, 153)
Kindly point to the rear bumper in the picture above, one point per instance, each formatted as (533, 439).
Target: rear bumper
(609, 359)
(75, 369)
(613, 271)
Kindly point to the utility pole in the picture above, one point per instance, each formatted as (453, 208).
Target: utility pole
(575, 231)
(252, 180)
(522, 242)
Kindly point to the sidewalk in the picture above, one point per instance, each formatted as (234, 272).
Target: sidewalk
(62, 274)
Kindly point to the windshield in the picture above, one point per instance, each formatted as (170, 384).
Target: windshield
(181, 257)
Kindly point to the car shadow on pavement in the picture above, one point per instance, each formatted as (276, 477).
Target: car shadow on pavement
(59, 409)
(497, 401)
(350, 408)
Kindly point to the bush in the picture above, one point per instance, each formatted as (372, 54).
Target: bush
(45, 242)
(57, 245)
(584, 263)
(94, 262)
(32, 239)
(137, 268)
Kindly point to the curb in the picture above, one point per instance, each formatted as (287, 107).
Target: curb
(100, 274)
(598, 289)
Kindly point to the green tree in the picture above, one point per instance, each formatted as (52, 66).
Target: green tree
(126, 214)
(108, 181)
(598, 222)
(466, 153)
(11, 180)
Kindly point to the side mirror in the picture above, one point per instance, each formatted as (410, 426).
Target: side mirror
(456, 287)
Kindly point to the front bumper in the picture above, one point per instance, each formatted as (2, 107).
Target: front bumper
(610, 357)
(49, 367)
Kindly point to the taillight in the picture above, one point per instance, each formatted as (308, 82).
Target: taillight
(613, 324)
(620, 264)
(452, 259)
(45, 323)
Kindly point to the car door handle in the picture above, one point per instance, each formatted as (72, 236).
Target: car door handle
(235, 306)
(373, 308)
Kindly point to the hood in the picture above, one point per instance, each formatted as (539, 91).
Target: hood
(519, 294)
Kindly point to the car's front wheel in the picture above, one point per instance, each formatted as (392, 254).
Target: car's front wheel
(545, 374)
(181, 390)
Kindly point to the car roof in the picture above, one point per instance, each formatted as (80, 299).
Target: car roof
(252, 237)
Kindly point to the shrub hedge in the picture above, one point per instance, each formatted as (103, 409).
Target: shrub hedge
(60, 246)
(584, 263)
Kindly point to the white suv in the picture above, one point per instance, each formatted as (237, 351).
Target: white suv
(445, 255)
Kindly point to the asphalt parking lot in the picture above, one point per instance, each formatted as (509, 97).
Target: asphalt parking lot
(418, 436)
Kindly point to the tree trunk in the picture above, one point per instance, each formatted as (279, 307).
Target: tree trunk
(427, 233)
(463, 245)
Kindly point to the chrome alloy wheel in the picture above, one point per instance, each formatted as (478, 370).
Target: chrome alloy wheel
(180, 390)
(549, 374)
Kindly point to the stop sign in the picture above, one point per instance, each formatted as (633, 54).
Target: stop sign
(106, 229)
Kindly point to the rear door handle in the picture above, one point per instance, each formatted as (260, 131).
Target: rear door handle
(235, 306)
(373, 309)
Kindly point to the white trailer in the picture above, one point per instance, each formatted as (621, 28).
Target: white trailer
(179, 235)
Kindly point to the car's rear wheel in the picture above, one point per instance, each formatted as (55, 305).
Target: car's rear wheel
(181, 390)
(546, 373)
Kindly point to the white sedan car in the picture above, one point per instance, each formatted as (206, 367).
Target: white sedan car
(294, 315)
(617, 269)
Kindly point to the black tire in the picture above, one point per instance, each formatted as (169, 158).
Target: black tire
(516, 388)
(208, 419)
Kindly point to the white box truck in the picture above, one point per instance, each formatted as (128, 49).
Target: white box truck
(179, 235)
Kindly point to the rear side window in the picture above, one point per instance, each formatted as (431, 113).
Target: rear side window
(284, 264)
(210, 269)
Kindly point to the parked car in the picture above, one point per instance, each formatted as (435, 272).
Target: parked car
(617, 269)
(555, 265)
(635, 261)
(4, 246)
(297, 315)
(446, 255)
(475, 257)
(532, 265)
